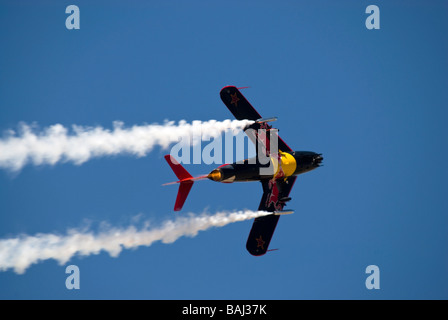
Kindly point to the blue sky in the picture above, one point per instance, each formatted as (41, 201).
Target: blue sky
(372, 101)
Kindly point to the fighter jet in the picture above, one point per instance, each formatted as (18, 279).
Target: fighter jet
(276, 166)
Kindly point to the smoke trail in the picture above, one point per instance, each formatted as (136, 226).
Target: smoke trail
(55, 144)
(20, 252)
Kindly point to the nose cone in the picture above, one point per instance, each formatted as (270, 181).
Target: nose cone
(317, 159)
(307, 161)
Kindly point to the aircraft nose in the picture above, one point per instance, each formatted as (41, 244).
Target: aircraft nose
(318, 159)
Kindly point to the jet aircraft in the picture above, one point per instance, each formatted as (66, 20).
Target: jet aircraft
(276, 168)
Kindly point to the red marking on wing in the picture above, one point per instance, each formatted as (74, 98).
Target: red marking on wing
(260, 242)
(235, 99)
(273, 195)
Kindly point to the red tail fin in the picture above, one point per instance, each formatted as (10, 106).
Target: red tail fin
(185, 180)
(179, 171)
(182, 194)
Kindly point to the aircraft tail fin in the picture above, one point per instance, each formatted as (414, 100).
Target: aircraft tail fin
(186, 181)
(182, 194)
(179, 171)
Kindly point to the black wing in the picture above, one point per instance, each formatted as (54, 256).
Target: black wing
(242, 110)
(274, 191)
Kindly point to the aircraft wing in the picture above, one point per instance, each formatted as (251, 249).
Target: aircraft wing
(242, 110)
(263, 227)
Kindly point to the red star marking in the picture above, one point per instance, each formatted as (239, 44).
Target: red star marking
(235, 99)
(260, 243)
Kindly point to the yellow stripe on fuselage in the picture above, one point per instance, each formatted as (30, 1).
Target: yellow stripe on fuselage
(287, 163)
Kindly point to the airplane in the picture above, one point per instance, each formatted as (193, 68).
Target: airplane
(277, 170)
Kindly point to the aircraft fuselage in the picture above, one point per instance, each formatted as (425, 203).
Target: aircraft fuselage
(284, 165)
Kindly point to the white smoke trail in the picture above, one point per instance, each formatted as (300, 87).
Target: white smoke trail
(55, 144)
(20, 252)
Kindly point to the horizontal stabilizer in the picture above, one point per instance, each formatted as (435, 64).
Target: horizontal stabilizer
(182, 194)
(186, 181)
(179, 171)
